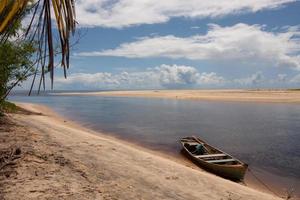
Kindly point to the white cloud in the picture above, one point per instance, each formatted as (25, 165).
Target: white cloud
(124, 13)
(174, 76)
(164, 76)
(104, 80)
(241, 42)
(282, 77)
(253, 80)
(169, 77)
(211, 78)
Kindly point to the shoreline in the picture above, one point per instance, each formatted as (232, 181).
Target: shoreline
(51, 117)
(264, 96)
(46, 111)
(250, 181)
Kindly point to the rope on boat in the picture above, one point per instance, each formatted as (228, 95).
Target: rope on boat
(264, 184)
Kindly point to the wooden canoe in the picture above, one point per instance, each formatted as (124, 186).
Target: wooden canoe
(213, 159)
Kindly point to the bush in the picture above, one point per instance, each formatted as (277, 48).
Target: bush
(7, 107)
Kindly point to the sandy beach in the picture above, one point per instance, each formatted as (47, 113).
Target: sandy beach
(61, 160)
(274, 96)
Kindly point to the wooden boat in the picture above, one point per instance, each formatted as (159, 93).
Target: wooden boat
(213, 159)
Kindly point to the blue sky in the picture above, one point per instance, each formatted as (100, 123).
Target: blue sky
(152, 44)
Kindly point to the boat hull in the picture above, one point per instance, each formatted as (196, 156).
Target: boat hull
(233, 171)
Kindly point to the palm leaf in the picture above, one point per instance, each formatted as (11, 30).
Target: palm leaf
(9, 10)
(40, 29)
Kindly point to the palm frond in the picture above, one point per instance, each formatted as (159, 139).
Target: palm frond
(40, 29)
(9, 10)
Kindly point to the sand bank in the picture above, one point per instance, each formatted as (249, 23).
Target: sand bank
(279, 96)
(70, 162)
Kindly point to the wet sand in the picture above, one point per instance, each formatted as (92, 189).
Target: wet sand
(273, 96)
(71, 162)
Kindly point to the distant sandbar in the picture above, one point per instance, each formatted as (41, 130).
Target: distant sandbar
(274, 96)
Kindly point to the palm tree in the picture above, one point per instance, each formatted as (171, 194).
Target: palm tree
(40, 29)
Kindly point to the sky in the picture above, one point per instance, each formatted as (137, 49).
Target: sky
(176, 44)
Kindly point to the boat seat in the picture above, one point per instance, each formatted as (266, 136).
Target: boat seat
(211, 155)
(192, 143)
(221, 161)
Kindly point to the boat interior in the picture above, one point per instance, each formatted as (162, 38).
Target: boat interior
(208, 154)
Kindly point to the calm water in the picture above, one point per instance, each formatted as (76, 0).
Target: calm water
(265, 135)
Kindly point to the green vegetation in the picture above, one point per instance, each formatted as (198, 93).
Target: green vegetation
(295, 89)
(15, 65)
(16, 62)
(8, 107)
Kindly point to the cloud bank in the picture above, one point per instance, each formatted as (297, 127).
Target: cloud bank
(241, 42)
(163, 76)
(125, 13)
(172, 77)
(253, 80)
